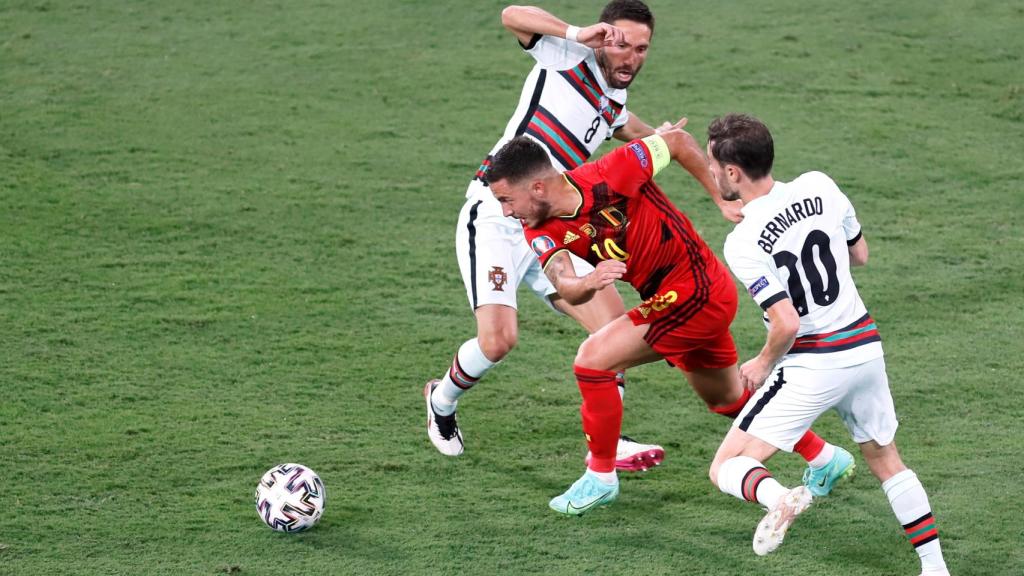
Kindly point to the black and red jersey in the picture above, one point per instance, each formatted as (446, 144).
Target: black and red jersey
(624, 215)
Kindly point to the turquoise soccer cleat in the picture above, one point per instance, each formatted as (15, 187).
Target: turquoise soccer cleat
(821, 481)
(584, 495)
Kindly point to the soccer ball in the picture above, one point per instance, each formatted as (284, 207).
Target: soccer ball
(290, 498)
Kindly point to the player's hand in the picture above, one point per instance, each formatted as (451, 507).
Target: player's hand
(732, 210)
(600, 35)
(606, 272)
(668, 126)
(753, 373)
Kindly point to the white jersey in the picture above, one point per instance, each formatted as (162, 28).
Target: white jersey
(793, 243)
(566, 104)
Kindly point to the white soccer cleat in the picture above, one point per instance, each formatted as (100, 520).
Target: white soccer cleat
(632, 456)
(443, 431)
(772, 528)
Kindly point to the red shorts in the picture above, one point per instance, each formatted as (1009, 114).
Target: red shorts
(688, 331)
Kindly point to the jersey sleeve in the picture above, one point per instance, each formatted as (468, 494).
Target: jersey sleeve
(629, 167)
(555, 52)
(851, 226)
(543, 242)
(752, 267)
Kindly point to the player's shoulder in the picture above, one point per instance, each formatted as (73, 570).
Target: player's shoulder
(741, 243)
(816, 182)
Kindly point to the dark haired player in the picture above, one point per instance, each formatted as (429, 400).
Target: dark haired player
(793, 251)
(612, 214)
(573, 99)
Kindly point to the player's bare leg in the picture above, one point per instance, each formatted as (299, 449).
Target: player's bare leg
(909, 502)
(719, 388)
(497, 329)
(605, 306)
(497, 333)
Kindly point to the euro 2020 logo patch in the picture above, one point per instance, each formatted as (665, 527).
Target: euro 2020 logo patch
(497, 277)
(542, 244)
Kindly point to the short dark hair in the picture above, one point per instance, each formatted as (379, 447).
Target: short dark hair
(520, 158)
(744, 141)
(633, 10)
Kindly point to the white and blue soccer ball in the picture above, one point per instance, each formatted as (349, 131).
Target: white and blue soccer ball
(290, 498)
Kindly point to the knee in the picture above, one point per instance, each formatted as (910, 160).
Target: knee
(587, 355)
(713, 472)
(884, 461)
(496, 344)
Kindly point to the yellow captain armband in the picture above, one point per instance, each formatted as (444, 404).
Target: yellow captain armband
(659, 151)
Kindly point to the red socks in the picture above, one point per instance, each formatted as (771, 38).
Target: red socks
(732, 410)
(809, 445)
(602, 415)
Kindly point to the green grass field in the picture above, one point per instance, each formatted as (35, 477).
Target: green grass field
(227, 241)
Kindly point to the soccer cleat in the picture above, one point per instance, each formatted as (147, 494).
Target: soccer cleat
(821, 481)
(584, 495)
(772, 528)
(443, 431)
(631, 456)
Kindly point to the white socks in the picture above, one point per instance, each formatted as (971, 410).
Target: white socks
(910, 504)
(468, 366)
(604, 477)
(823, 457)
(748, 479)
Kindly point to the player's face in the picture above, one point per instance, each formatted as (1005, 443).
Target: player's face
(725, 188)
(520, 201)
(621, 63)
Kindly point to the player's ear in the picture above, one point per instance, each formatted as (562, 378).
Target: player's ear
(734, 173)
(537, 188)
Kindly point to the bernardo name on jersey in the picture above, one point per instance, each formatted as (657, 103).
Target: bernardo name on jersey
(793, 243)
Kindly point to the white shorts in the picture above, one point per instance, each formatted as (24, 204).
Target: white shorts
(793, 397)
(494, 256)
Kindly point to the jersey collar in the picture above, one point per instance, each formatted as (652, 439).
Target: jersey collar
(576, 188)
(760, 203)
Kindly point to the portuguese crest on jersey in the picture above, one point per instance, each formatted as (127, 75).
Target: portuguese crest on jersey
(497, 277)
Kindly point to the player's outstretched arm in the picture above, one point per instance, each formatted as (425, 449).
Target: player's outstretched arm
(579, 289)
(684, 149)
(633, 129)
(785, 323)
(525, 21)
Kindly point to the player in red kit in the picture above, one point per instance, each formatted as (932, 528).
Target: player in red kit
(612, 214)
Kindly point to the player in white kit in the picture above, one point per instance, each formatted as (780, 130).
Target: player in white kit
(793, 252)
(572, 100)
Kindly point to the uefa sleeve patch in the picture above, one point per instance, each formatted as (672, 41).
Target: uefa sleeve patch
(756, 287)
(641, 153)
(542, 244)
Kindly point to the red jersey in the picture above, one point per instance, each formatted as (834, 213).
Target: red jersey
(624, 215)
